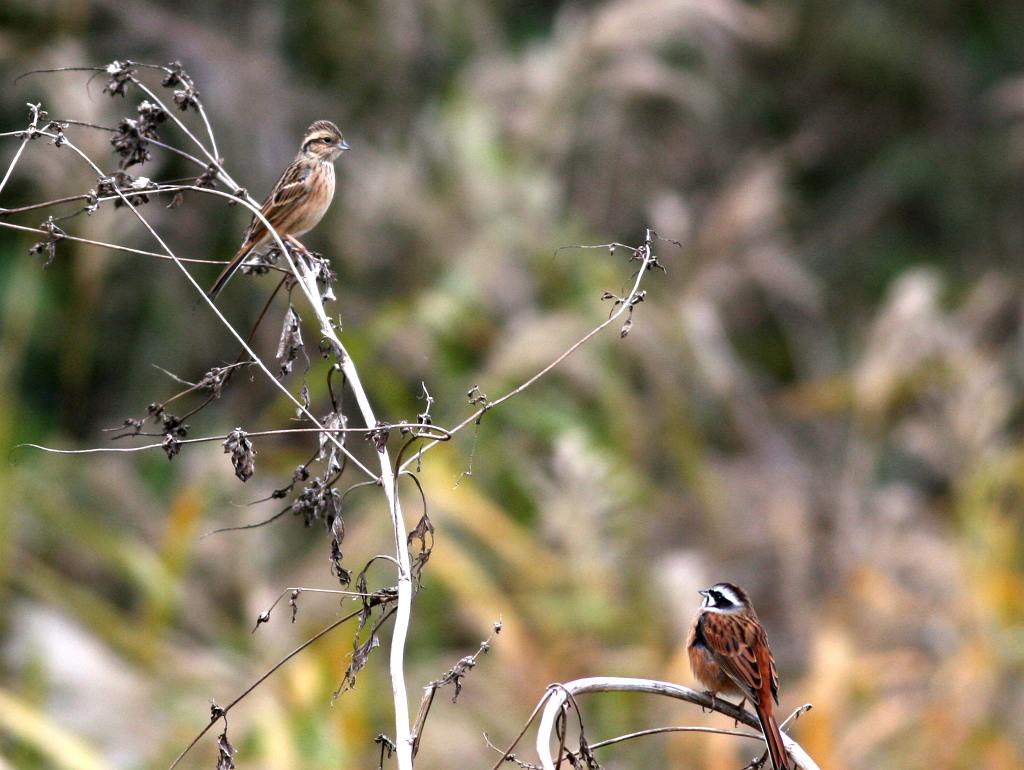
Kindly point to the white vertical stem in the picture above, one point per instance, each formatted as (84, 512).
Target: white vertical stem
(307, 282)
(403, 737)
(403, 613)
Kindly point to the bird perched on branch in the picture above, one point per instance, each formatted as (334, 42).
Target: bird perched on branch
(728, 650)
(300, 198)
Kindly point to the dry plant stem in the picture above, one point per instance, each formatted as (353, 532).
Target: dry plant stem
(646, 261)
(431, 689)
(160, 188)
(154, 142)
(321, 633)
(216, 161)
(387, 479)
(557, 695)
(249, 203)
(114, 246)
(209, 128)
(403, 612)
(680, 729)
(14, 161)
(533, 715)
(307, 282)
(207, 439)
(297, 590)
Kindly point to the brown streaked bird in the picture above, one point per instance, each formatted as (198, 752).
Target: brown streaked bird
(300, 198)
(728, 650)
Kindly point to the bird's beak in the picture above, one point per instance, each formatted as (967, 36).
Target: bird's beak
(344, 146)
(703, 593)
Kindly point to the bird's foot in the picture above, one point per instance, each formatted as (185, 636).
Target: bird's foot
(296, 245)
(742, 706)
(714, 702)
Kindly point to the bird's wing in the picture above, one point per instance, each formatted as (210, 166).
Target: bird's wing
(740, 648)
(293, 184)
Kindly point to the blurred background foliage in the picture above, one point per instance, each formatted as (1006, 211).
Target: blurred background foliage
(821, 400)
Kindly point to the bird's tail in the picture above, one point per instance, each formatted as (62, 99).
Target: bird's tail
(230, 269)
(773, 737)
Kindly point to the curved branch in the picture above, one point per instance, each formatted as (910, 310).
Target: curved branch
(558, 694)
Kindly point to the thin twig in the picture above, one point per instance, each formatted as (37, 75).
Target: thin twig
(510, 757)
(114, 246)
(452, 675)
(21, 148)
(323, 632)
(647, 260)
(214, 160)
(533, 715)
(206, 439)
(679, 729)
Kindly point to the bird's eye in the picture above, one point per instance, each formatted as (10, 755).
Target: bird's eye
(326, 140)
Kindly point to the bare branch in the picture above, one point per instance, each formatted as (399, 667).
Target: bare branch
(557, 695)
(648, 260)
(505, 755)
(222, 712)
(206, 439)
(37, 115)
(677, 729)
(454, 675)
(114, 246)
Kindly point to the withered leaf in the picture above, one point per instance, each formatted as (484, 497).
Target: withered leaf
(208, 178)
(317, 501)
(185, 94)
(378, 435)
(334, 423)
(225, 753)
(360, 656)
(131, 137)
(304, 399)
(243, 455)
(120, 74)
(291, 344)
(337, 538)
(49, 246)
(213, 381)
(171, 446)
(421, 531)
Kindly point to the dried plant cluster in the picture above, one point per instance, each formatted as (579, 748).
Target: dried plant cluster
(384, 586)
